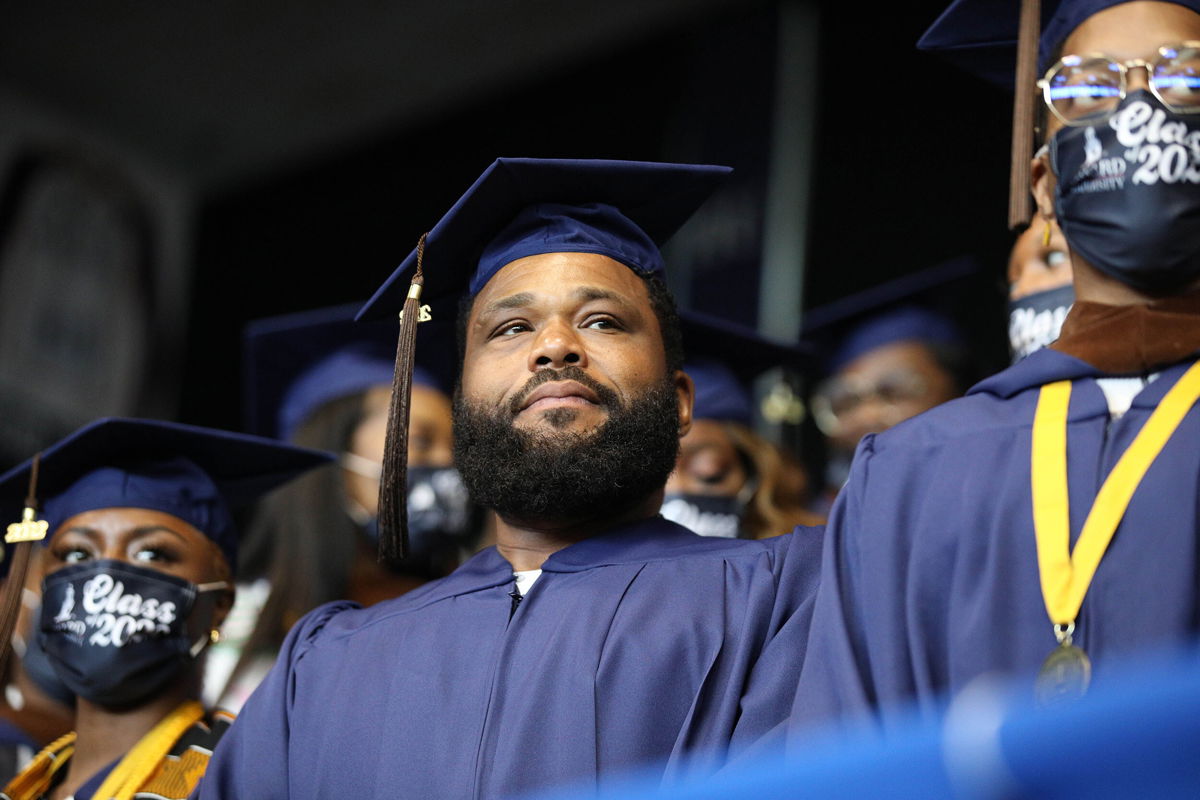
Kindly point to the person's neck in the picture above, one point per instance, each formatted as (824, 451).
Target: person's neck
(527, 542)
(1093, 286)
(104, 735)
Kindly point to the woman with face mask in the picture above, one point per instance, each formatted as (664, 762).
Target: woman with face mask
(321, 380)
(136, 520)
(1043, 527)
(1040, 292)
(729, 481)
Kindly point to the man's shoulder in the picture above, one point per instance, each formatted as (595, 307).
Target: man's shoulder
(343, 619)
(655, 540)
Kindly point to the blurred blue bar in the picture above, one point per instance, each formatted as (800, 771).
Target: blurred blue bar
(1136, 735)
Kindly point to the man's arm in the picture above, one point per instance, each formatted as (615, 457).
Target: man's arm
(252, 759)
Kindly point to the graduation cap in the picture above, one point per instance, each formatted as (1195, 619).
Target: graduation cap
(296, 363)
(1010, 43)
(724, 358)
(911, 307)
(196, 474)
(521, 207)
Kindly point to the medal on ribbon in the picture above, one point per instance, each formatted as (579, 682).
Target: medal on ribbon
(1066, 574)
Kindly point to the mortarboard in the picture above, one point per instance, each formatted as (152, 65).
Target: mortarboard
(901, 324)
(911, 307)
(296, 363)
(1011, 43)
(197, 474)
(724, 358)
(527, 206)
(521, 207)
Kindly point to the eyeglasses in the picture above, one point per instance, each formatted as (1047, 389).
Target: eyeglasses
(837, 399)
(1081, 90)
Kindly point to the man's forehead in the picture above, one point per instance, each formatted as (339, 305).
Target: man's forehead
(579, 277)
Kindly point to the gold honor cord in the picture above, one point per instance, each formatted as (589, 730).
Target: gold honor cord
(1066, 575)
(132, 772)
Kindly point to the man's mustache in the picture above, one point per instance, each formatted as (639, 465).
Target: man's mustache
(606, 396)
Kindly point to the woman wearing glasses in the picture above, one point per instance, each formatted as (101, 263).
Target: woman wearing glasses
(1044, 526)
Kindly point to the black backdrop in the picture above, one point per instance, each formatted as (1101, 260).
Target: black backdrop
(909, 168)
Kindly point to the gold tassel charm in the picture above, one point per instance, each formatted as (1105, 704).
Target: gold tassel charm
(1046, 235)
(20, 536)
(29, 529)
(414, 293)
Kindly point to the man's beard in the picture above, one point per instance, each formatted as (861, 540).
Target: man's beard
(561, 475)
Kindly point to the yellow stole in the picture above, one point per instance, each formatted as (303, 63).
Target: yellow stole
(128, 776)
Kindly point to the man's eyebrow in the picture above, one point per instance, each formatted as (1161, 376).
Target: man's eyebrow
(518, 300)
(588, 293)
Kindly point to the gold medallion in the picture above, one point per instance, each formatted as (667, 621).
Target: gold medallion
(1064, 676)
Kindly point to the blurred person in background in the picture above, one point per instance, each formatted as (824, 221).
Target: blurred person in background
(729, 481)
(1044, 526)
(140, 547)
(318, 379)
(1040, 292)
(893, 365)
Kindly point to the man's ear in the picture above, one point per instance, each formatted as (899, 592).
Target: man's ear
(685, 393)
(1043, 182)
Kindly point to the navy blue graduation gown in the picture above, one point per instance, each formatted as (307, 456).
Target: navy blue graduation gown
(645, 644)
(929, 574)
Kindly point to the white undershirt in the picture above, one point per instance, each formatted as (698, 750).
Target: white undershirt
(525, 579)
(1119, 392)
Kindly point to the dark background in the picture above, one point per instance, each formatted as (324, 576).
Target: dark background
(288, 157)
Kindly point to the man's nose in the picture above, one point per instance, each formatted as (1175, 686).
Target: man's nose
(557, 345)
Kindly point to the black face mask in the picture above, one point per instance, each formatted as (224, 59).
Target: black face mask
(1035, 320)
(39, 669)
(1128, 195)
(707, 515)
(440, 520)
(117, 633)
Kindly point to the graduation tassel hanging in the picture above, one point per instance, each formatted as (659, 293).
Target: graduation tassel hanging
(21, 535)
(393, 486)
(1024, 105)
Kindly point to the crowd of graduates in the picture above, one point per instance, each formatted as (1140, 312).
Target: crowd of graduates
(529, 537)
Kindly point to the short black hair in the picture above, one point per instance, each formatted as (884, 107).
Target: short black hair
(661, 302)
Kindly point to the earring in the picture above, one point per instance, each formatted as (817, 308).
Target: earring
(1046, 235)
(214, 636)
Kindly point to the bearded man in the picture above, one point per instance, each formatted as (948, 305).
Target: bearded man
(595, 636)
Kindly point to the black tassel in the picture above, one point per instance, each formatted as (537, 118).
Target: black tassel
(21, 536)
(393, 486)
(1024, 104)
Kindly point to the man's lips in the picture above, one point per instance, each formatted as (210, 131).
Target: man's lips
(559, 393)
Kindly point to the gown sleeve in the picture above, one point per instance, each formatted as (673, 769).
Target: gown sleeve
(252, 758)
(772, 681)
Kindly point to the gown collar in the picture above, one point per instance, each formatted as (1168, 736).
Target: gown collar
(653, 539)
